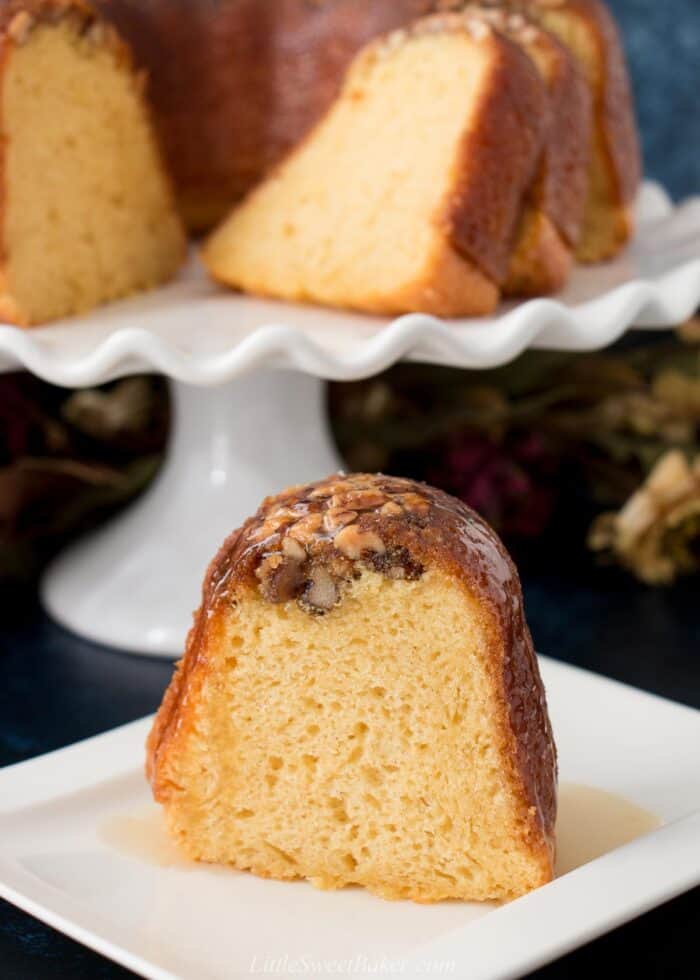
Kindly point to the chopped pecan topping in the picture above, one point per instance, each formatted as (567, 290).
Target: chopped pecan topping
(97, 32)
(352, 542)
(414, 503)
(292, 548)
(321, 592)
(357, 500)
(20, 26)
(307, 528)
(280, 578)
(318, 539)
(271, 525)
(337, 518)
(321, 493)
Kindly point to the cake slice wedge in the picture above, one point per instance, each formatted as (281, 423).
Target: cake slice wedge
(359, 702)
(550, 222)
(588, 29)
(86, 209)
(407, 195)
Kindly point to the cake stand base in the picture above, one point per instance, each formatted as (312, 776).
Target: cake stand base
(135, 583)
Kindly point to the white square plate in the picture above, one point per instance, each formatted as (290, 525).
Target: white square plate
(66, 857)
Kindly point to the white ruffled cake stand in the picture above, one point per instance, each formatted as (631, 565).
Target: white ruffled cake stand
(247, 384)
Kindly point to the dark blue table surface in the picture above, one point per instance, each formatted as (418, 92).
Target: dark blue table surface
(57, 688)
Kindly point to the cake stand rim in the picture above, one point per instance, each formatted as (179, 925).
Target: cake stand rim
(661, 302)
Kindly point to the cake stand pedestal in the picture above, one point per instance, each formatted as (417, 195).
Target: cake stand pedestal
(248, 404)
(135, 583)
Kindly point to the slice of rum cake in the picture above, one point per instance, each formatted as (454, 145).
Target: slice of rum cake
(359, 702)
(87, 212)
(550, 223)
(588, 29)
(406, 195)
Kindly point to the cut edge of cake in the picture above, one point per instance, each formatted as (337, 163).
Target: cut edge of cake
(550, 223)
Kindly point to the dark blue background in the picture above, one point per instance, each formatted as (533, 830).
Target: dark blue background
(662, 39)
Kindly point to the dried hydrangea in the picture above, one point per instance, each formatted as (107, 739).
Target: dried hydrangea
(657, 532)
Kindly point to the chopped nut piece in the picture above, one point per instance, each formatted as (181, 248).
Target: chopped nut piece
(321, 593)
(395, 572)
(97, 32)
(271, 525)
(292, 549)
(306, 528)
(395, 563)
(335, 519)
(391, 509)
(321, 493)
(414, 503)
(340, 567)
(340, 487)
(357, 500)
(20, 26)
(268, 565)
(352, 542)
(280, 578)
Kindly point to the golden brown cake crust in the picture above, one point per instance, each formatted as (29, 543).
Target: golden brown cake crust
(614, 104)
(616, 161)
(551, 217)
(615, 173)
(499, 160)
(304, 542)
(18, 17)
(561, 185)
(565, 180)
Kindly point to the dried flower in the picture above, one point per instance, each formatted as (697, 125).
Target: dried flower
(657, 532)
(68, 459)
(108, 414)
(689, 332)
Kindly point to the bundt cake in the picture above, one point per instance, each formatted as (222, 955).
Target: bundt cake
(407, 194)
(550, 223)
(237, 86)
(589, 30)
(87, 211)
(359, 702)
(237, 83)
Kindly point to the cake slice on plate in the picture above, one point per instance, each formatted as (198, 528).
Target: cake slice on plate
(407, 195)
(87, 211)
(359, 702)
